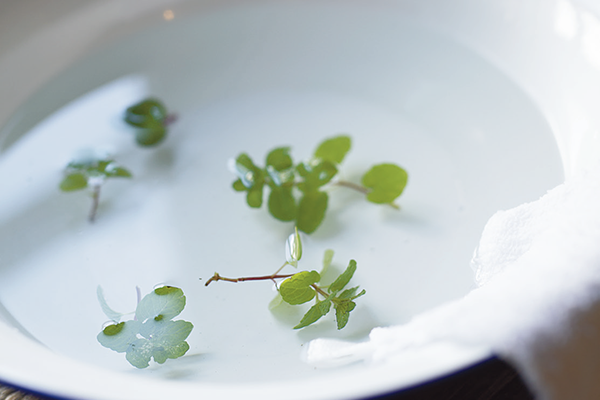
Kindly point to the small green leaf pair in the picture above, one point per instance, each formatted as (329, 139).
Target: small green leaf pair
(297, 191)
(91, 173)
(81, 175)
(152, 334)
(302, 287)
(152, 119)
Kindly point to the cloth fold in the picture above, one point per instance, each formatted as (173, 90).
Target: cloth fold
(537, 304)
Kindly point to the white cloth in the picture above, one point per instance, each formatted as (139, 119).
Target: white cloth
(538, 303)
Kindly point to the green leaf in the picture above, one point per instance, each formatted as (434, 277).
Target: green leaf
(344, 278)
(315, 174)
(252, 178)
(279, 158)
(386, 181)
(114, 329)
(297, 289)
(146, 113)
(238, 186)
(342, 312)
(254, 198)
(151, 136)
(334, 149)
(282, 204)
(73, 181)
(311, 211)
(113, 170)
(351, 294)
(293, 248)
(314, 313)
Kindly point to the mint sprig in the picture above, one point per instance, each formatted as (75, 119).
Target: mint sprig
(91, 174)
(304, 286)
(297, 192)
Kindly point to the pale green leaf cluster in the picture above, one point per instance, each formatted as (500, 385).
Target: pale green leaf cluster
(84, 174)
(152, 334)
(296, 191)
(151, 118)
(303, 287)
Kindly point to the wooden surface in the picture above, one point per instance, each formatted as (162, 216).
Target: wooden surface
(493, 379)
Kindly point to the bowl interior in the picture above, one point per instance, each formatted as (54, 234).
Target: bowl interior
(442, 91)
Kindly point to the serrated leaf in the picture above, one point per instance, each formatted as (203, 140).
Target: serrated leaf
(314, 313)
(342, 312)
(168, 305)
(351, 294)
(311, 211)
(279, 158)
(282, 204)
(334, 149)
(344, 278)
(386, 181)
(297, 288)
(73, 181)
(150, 136)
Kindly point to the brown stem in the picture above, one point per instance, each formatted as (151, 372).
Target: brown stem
(217, 277)
(361, 189)
(95, 202)
(319, 290)
(354, 186)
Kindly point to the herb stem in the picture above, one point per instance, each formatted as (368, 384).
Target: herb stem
(95, 203)
(361, 189)
(217, 277)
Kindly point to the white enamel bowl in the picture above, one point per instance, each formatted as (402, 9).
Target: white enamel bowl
(486, 104)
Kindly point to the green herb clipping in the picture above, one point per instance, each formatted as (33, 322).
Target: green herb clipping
(303, 286)
(91, 173)
(297, 192)
(151, 119)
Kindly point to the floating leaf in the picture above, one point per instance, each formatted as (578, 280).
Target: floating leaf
(314, 313)
(157, 302)
(315, 174)
(146, 113)
(150, 136)
(282, 204)
(386, 181)
(153, 334)
(74, 181)
(342, 312)
(344, 278)
(297, 289)
(334, 149)
(311, 211)
(279, 158)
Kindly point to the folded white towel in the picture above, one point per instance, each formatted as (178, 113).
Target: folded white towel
(538, 303)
